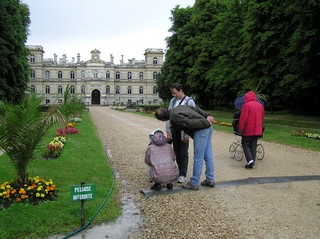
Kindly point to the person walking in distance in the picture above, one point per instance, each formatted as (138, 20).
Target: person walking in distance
(197, 123)
(250, 126)
(179, 138)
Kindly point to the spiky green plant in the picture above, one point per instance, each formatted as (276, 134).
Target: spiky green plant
(22, 126)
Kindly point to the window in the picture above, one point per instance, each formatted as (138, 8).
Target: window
(107, 89)
(117, 89)
(155, 61)
(155, 75)
(108, 74)
(95, 74)
(129, 90)
(47, 89)
(33, 89)
(71, 74)
(117, 75)
(47, 75)
(83, 89)
(60, 101)
(47, 101)
(33, 74)
(72, 89)
(141, 90)
(154, 90)
(141, 75)
(83, 74)
(59, 74)
(129, 75)
(32, 58)
(60, 89)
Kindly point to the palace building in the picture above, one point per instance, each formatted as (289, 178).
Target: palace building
(96, 81)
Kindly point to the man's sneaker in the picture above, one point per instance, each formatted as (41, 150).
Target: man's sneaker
(182, 179)
(190, 186)
(250, 164)
(208, 183)
(169, 186)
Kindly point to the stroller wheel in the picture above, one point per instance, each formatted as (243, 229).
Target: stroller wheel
(239, 153)
(232, 151)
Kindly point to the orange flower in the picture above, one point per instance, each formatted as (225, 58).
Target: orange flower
(22, 191)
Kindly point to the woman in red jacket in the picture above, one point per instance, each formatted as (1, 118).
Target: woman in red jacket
(250, 126)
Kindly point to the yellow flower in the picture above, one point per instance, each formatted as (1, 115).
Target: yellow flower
(42, 195)
(38, 195)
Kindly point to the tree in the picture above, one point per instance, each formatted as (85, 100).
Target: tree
(22, 126)
(14, 68)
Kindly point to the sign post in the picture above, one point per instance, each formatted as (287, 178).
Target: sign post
(82, 193)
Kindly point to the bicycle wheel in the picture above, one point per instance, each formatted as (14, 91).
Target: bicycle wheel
(239, 153)
(232, 150)
(260, 152)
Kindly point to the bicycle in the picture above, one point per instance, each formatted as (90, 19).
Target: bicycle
(236, 150)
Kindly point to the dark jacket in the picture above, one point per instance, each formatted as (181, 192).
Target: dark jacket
(189, 119)
(251, 118)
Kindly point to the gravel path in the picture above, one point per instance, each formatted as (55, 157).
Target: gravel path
(284, 210)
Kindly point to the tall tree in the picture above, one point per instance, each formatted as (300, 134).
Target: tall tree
(14, 69)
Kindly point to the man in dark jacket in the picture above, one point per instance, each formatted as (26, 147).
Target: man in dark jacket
(197, 124)
(250, 126)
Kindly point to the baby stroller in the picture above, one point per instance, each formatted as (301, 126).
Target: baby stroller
(235, 149)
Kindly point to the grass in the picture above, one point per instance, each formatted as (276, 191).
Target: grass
(278, 128)
(82, 160)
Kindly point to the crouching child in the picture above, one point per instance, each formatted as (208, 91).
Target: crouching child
(161, 160)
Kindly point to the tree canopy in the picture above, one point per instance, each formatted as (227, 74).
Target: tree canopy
(220, 49)
(14, 68)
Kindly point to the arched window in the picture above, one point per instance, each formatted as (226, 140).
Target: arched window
(32, 59)
(60, 89)
(155, 61)
(95, 74)
(107, 89)
(83, 89)
(72, 89)
(141, 90)
(47, 75)
(47, 89)
(141, 75)
(33, 74)
(59, 74)
(117, 75)
(129, 75)
(155, 75)
(71, 74)
(129, 90)
(155, 90)
(33, 89)
(117, 89)
(108, 74)
(83, 74)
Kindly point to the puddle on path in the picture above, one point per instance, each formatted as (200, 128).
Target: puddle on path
(122, 228)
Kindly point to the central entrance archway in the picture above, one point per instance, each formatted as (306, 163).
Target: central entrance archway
(95, 97)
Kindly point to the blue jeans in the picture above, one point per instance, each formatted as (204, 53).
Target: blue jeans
(202, 144)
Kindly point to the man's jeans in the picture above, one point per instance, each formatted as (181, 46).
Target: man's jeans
(202, 144)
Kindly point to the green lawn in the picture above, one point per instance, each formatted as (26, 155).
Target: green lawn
(278, 128)
(82, 160)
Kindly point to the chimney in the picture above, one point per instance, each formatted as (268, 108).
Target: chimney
(55, 57)
(111, 58)
(78, 57)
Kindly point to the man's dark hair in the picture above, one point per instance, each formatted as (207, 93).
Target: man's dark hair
(162, 114)
(177, 86)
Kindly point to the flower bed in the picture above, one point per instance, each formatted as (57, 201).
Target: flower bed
(305, 134)
(36, 190)
(54, 148)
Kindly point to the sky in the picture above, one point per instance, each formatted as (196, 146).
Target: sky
(117, 27)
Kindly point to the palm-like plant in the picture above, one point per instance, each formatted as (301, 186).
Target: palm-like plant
(22, 126)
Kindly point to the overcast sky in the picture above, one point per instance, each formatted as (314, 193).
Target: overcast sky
(118, 27)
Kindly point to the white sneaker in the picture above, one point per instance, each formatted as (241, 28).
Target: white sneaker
(182, 179)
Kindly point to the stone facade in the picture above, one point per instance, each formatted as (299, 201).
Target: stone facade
(95, 81)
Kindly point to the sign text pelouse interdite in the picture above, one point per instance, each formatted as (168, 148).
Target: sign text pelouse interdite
(85, 192)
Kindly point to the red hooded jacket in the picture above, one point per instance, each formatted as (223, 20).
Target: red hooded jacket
(251, 118)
